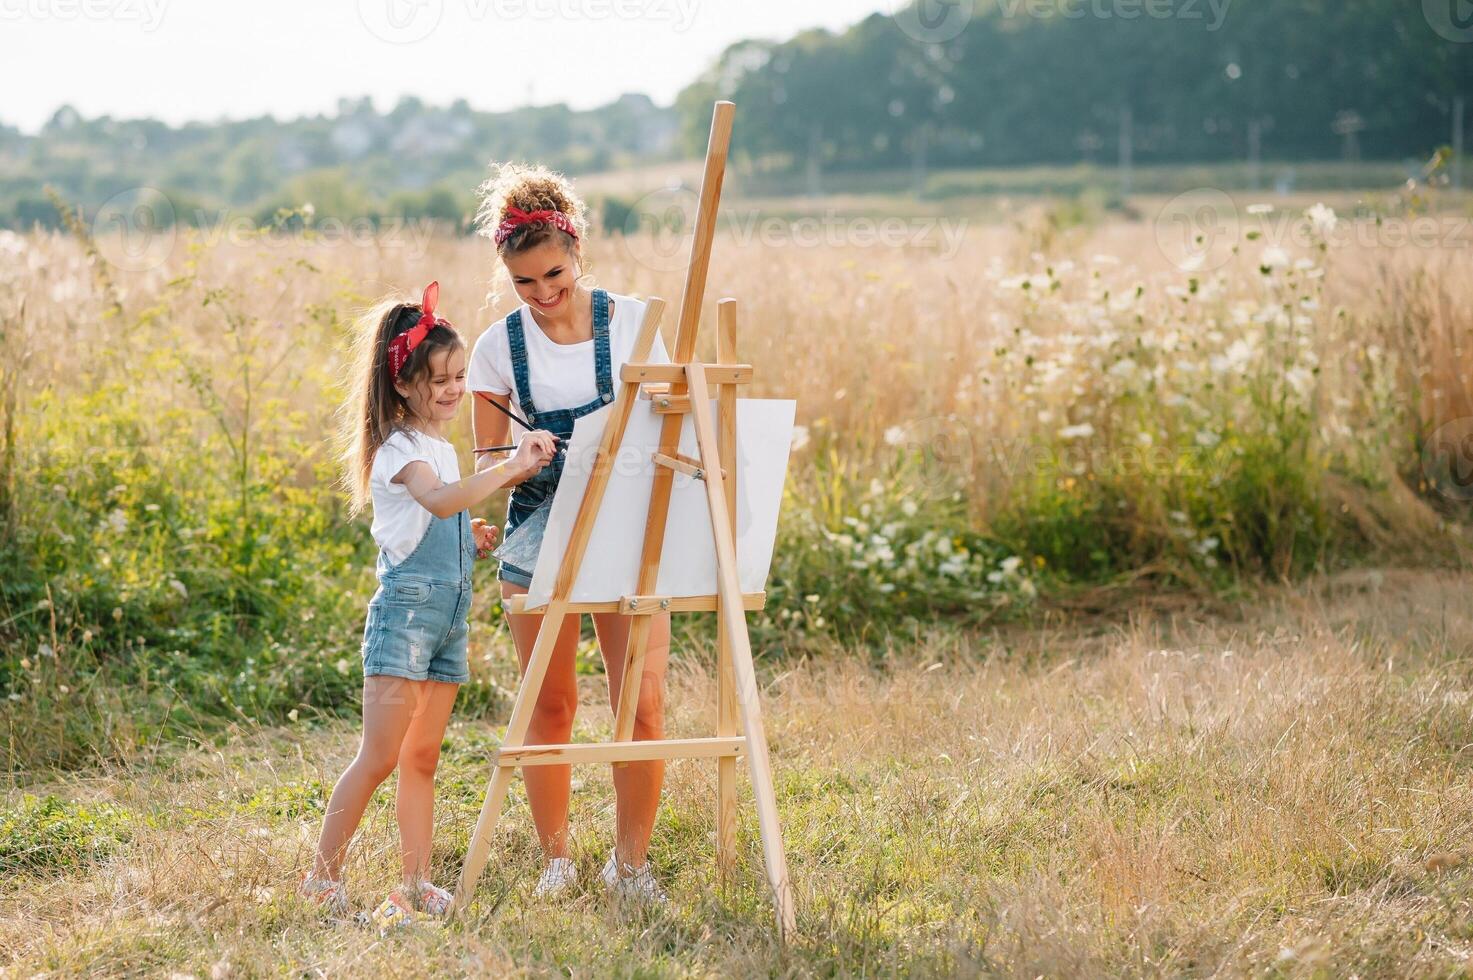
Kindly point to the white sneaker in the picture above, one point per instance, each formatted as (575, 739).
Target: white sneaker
(328, 895)
(624, 881)
(559, 875)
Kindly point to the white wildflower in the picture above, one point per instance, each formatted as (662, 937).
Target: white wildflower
(894, 436)
(800, 437)
(1323, 219)
(1274, 257)
(1082, 431)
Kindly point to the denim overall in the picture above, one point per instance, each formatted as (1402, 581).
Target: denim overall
(536, 493)
(417, 623)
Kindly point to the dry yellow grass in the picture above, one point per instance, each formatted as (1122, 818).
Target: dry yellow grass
(1285, 792)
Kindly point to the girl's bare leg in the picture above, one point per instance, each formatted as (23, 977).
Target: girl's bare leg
(388, 706)
(549, 787)
(419, 755)
(637, 785)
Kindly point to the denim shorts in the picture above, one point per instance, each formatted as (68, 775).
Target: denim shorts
(417, 629)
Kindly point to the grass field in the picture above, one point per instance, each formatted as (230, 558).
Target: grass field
(1117, 624)
(1281, 792)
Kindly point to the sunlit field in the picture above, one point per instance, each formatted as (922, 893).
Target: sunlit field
(1118, 621)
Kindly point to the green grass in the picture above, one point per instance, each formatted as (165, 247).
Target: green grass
(1191, 797)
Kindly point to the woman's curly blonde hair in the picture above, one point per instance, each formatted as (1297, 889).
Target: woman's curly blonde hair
(529, 187)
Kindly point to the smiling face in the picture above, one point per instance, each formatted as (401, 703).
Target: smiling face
(435, 396)
(544, 276)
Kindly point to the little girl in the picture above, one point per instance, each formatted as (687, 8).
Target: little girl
(410, 379)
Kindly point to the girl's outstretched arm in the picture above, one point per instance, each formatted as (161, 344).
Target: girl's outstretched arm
(490, 427)
(448, 499)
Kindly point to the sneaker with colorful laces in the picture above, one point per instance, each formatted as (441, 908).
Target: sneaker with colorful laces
(559, 875)
(394, 912)
(625, 881)
(434, 900)
(328, 895)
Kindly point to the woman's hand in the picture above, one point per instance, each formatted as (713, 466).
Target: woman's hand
(535, 451)
(485, 536)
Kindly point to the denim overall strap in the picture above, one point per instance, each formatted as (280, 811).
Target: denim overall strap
(517, 341)
(537, 491)
(603, 367)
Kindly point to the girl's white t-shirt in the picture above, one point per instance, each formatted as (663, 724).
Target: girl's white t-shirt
(400, 521)
(561, 375)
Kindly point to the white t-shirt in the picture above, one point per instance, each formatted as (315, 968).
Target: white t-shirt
(399, 521)
(561, 375)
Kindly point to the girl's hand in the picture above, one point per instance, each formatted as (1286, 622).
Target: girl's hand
(535, 451)
(485, 536)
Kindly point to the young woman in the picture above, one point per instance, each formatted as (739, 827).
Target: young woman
(555, 359)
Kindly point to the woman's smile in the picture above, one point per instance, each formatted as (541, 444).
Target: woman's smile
(552, 302)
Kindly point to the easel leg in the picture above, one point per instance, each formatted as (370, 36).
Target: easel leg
(480, 849)
(729, 590)
(516, 734)
(629, 684)
(726, 702)
(726, 771)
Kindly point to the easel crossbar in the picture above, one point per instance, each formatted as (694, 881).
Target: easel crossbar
(580, 753)
(716, 374)
(751, 601)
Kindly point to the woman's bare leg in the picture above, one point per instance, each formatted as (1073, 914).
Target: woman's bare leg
(549, 787)
(637, 785)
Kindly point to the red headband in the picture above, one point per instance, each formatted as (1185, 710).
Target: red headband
(403, 345)
(516, 217)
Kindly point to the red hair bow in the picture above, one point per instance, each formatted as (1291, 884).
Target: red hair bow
(403, 345)
(516, 217)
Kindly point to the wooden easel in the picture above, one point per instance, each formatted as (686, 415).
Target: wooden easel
(681, 387)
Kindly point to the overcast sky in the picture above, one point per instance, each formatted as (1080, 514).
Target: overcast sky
(203, 59)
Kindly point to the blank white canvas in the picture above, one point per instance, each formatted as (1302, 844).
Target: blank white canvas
(610, 568)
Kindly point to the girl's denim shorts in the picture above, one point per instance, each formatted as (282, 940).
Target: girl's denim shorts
(418, 629)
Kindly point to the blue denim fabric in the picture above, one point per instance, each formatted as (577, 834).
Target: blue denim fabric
(538, 491)
(417, 624)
